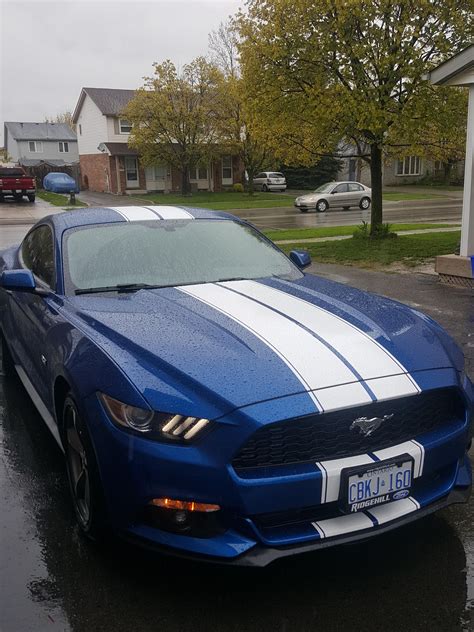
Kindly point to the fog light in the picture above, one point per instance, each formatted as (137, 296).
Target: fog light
(185, 517)
(184, 505)
(180, 517)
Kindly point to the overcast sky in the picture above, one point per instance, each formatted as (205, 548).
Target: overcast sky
(49, 50)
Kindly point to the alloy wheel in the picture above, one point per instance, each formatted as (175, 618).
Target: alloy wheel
(77, 466)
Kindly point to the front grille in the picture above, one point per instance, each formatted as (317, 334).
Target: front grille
(327, 436)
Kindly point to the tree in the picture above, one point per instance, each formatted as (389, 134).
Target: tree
(174, 116)
(312, 176)
(236, 121)
(62, 117)
(322, 71)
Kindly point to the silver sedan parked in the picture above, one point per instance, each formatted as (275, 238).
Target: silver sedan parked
(333, 195)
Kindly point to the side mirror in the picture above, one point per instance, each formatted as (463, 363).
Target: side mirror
(18, 280)
(301, 258)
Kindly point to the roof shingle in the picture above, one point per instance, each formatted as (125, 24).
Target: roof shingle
(40, 131)
(110, 101)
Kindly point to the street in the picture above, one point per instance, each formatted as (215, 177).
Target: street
(16, 219)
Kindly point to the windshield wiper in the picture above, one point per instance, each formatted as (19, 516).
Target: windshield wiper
(121, 287)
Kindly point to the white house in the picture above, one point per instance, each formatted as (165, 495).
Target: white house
(31, 144)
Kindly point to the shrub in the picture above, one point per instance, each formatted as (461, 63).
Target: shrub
(238, 188)
(363, 232)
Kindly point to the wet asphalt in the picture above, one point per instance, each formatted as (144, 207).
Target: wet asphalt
(420, 577)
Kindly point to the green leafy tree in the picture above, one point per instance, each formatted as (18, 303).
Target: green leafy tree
(322, 71)
(174, 116)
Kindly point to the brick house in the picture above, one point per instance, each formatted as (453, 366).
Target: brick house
(108, 164)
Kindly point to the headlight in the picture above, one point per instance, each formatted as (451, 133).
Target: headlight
(152, 424)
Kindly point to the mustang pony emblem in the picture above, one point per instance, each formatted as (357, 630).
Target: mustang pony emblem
(368, 426)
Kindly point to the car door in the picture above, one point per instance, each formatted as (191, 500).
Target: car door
(36, 314)
(339, 195)
(355, 193)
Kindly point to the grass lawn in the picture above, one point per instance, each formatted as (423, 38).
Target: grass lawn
(230, 201)
(332, 231)
(220, 201)
(409, 250)
(395, 197)
(57, 199)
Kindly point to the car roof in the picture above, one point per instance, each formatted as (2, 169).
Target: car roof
(108, 215)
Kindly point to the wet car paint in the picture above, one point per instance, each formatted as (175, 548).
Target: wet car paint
(420, 577)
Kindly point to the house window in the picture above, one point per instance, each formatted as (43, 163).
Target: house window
(36, 147)
(409, 166)
(63, 147)
(201, 173)
(226, 167)
(156, 172)
(124, 126)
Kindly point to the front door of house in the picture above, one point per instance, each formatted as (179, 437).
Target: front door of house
(131, 172)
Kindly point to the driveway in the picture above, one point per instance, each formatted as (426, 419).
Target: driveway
(16, 218)
(13, 212)
(419, 578)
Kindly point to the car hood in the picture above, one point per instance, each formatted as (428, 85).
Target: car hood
(238, 343)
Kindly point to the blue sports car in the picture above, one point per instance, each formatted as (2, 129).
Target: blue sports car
(214, 401)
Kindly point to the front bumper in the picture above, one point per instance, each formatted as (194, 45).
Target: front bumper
(301, 206)
(260, 556)
(260, 511)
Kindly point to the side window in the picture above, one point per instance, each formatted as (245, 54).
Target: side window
(355, 187)
(342, 188)
(37, 252)
(260, 175)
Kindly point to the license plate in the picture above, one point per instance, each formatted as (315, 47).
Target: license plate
(379, 483)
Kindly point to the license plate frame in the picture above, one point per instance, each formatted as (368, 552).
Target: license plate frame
(371, 470)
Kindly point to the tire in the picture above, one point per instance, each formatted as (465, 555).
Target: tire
(32, 198)
(264, 188)
(83, 473)
(8, 366)
(364, 203)
(322, 206)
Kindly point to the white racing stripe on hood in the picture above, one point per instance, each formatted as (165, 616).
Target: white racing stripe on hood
(171, 212)
(369, 359)
(135, 213)
(314, 364)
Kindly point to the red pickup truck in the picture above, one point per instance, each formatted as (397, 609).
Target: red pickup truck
(15, 183)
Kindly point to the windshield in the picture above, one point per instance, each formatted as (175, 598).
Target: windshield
(168, 253)
(324, 188)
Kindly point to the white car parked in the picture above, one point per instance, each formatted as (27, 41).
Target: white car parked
(335, 194)
(270, 181)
